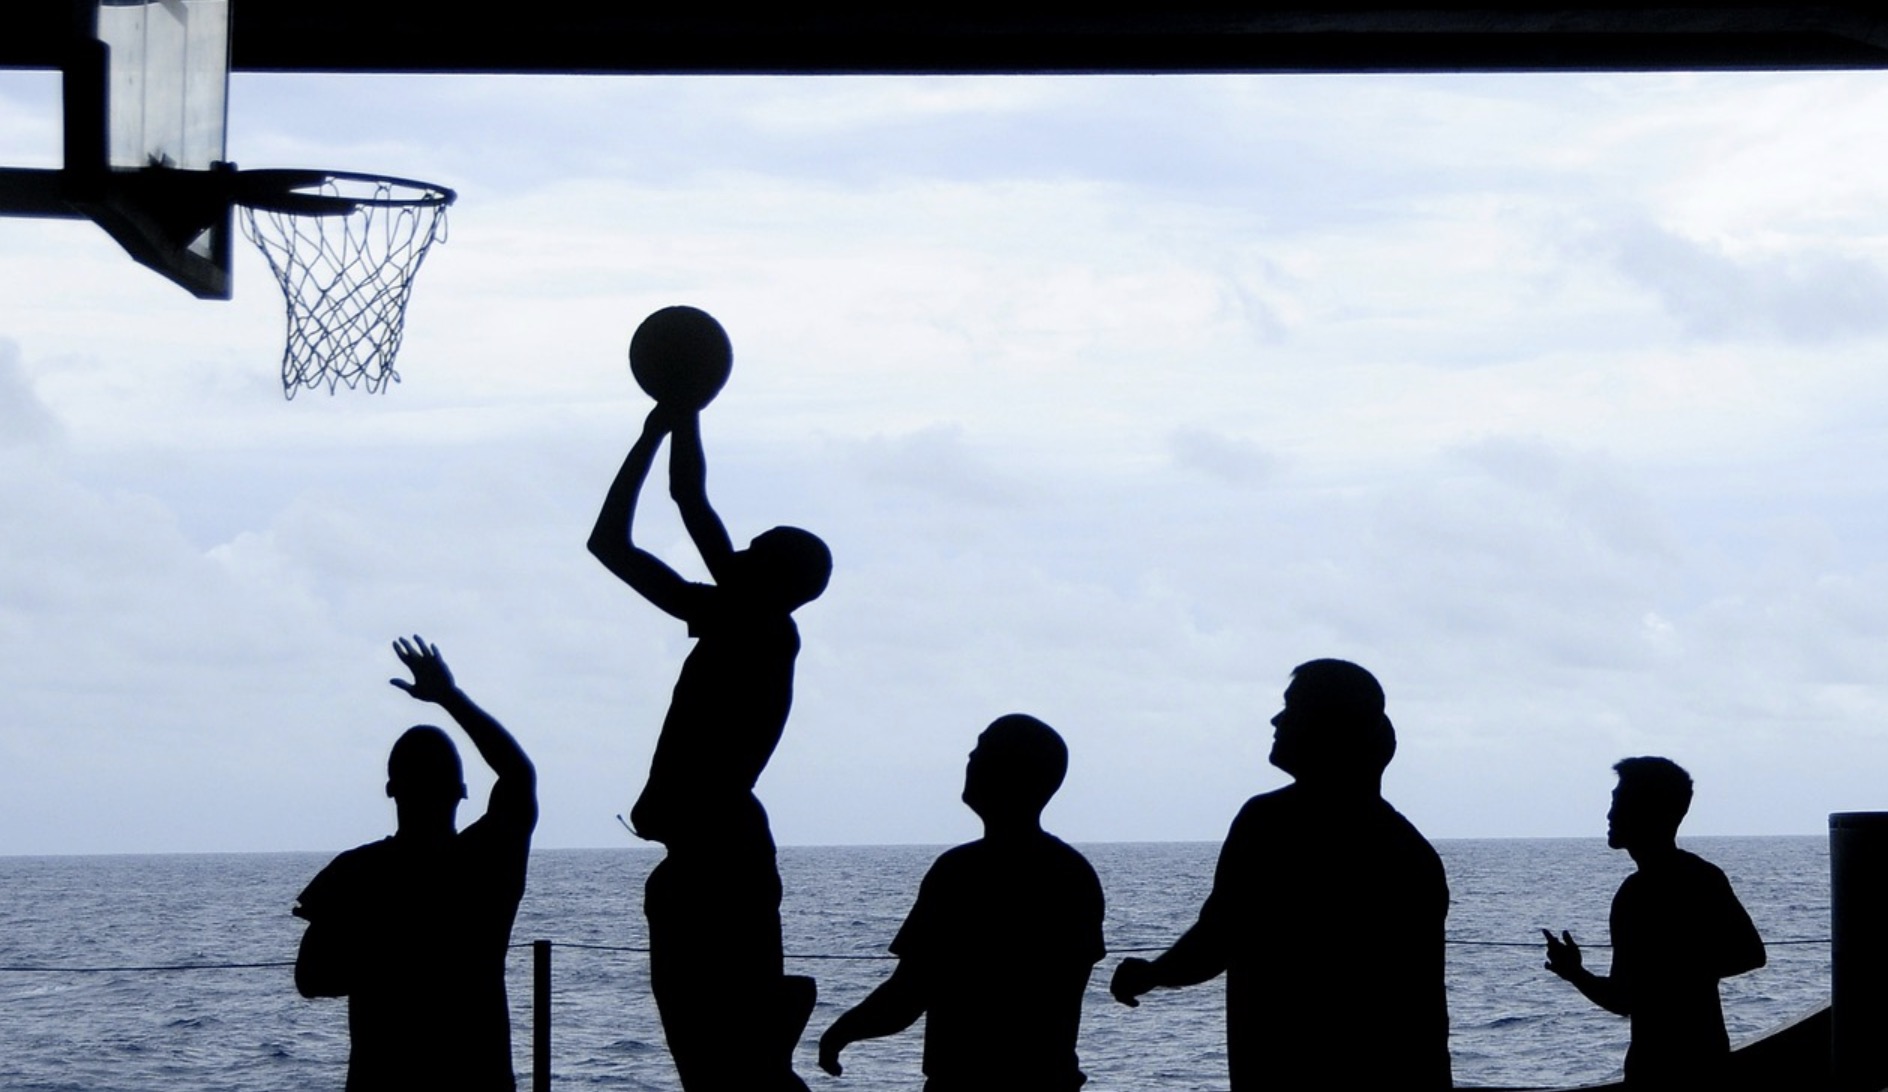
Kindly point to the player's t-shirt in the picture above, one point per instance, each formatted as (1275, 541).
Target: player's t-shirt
(425, 934)
(1328, 913)
(1003, 936)
(1674, 924)
(725, 718)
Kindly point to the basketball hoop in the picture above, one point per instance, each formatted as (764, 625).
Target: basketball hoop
(345, 248)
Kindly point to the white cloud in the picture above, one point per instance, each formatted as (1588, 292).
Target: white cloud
(1803, 294)
(24, 419)
(1229, 459)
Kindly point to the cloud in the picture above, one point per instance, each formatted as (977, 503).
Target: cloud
(938, 461)
(1232, 461)
(1589, 494)
(1807, 294)
(25, 421)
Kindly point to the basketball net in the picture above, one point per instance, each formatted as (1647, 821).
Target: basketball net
(345, 249)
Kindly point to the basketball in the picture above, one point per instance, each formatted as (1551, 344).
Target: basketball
(680, 357)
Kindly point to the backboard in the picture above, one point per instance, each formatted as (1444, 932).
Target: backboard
(146, 104)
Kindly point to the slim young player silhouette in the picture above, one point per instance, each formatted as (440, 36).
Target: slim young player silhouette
(1677, 929)
(730, 1013)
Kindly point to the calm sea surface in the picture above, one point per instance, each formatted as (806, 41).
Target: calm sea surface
(244, 1029)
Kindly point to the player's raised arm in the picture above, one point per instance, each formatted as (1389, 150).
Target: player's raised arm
(688, 484)
(515, 794)
(612, 540)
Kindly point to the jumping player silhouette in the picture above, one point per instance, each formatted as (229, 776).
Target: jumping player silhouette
(730, 1013)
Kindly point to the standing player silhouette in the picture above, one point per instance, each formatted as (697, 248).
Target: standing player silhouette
(413, 929)
(1677, 930)
(730, 1013)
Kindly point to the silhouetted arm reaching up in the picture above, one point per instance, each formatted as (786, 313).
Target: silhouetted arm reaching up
(688, 485)
(888, 1010)
(612, 540)
(514, 797)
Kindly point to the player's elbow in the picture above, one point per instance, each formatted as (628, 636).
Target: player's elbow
(312, 983)
(320, 964)
(521, 781)
(616, 554)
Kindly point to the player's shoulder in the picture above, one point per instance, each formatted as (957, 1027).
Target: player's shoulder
(1406, 831)
(958, 856)
(350, 870)
(1042, 855)
(1270, 806)
(724, 613)
(1685, 858)
(1062, 864)
(1061, 850)
(1697, 870)
(365, 856)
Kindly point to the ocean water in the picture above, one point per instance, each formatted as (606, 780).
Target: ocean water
(94, 1022)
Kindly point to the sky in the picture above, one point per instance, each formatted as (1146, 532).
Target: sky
(1556, 401)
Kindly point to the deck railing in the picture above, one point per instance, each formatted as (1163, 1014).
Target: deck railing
(542, 987)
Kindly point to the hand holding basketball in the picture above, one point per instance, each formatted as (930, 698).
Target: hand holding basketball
(680, 357)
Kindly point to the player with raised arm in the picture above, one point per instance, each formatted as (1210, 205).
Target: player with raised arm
(413, 929)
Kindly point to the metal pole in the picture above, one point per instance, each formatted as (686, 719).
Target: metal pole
(540, 1016)
(1858, 903)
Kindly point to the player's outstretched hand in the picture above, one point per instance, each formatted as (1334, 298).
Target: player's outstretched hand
(1132, 978)
(1563, 955)
(432, 679)
(829, 1047)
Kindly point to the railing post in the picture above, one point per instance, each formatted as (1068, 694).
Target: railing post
(540, 1016)
(1858, 948)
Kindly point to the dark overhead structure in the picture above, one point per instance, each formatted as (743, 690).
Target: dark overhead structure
(623, 37)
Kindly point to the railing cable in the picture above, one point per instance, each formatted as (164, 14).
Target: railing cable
(644, 950)
(147, 969)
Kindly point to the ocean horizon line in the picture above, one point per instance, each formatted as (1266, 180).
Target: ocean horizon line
(655, 848)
